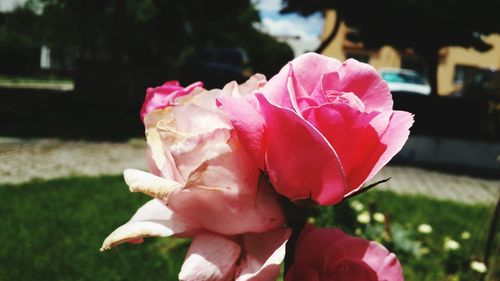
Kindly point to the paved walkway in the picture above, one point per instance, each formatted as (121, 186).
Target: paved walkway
(24, 160)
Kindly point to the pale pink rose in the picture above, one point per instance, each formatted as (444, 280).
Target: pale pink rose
(251, 256)
(330, 254)
(163, 96)
(320, 128)
(203, 181)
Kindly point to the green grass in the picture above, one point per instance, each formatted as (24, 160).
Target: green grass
(52, 230)
(48, 82)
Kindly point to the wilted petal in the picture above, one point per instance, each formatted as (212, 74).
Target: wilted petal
(152, 219)
(210, 257)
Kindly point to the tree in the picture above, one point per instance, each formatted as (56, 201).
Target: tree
(424, 26)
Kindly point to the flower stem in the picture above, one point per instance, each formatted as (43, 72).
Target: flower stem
(296, 218)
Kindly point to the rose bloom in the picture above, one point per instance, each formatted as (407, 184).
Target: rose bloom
(320, 128)
(330, 254)
(204, 186)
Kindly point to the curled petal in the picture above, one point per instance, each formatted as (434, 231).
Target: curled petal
(149, 184)
(154, 219)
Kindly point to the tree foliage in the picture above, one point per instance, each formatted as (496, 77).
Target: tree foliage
(149, 33)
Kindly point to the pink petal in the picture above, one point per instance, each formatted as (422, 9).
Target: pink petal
(302, 272)
(210, 257)
(264, 253)
(252, 84)
(394, 138)
(355, 141)
(364, 81)
(229, 209)
(152, 219)
(299, 161)
(313, 245)
(369, 256)
(308, 69)
(353, 270)
(249, 124)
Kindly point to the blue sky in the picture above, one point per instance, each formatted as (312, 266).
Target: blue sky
(308, 28)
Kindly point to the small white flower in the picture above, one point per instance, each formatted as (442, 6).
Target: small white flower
(450, 244)
(358, 231)
(364, 217)
(425, 228)
(356, 205)
(478, 266)
(465, 235)
(424, 251)
(379, 217)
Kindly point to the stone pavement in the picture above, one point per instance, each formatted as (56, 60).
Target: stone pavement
(22, 160)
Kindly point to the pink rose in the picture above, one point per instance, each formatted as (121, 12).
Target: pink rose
(204, 186)
(330, 254)
(320, 128)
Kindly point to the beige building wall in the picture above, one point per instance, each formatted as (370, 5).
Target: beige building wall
(455, 56)
(389, 57)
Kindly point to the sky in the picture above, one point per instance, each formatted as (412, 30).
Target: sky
(308, 28)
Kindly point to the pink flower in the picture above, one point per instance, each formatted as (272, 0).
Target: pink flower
(204, 186)
(320, 128)
(330, 254)
(251, 256)
(163, 96)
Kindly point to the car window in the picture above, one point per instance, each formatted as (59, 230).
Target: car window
(398, 77)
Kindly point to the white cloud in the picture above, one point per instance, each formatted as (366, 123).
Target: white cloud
(305, 28)
(268, 5)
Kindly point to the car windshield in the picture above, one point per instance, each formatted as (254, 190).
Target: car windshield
(398, 77)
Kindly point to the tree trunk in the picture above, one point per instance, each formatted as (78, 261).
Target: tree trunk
(431, 57)
(332, 35)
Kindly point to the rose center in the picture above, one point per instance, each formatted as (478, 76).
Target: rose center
(348, 98)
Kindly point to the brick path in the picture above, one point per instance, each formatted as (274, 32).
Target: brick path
(24, 160)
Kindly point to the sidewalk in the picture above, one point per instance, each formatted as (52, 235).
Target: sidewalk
(24, 160)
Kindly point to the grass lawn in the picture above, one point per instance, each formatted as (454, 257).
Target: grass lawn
(52, 230)
(36, 83)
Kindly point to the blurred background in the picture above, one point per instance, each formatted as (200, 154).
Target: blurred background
(73, 75)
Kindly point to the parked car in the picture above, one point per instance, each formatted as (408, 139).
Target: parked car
(216, 66)
(405, 81)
